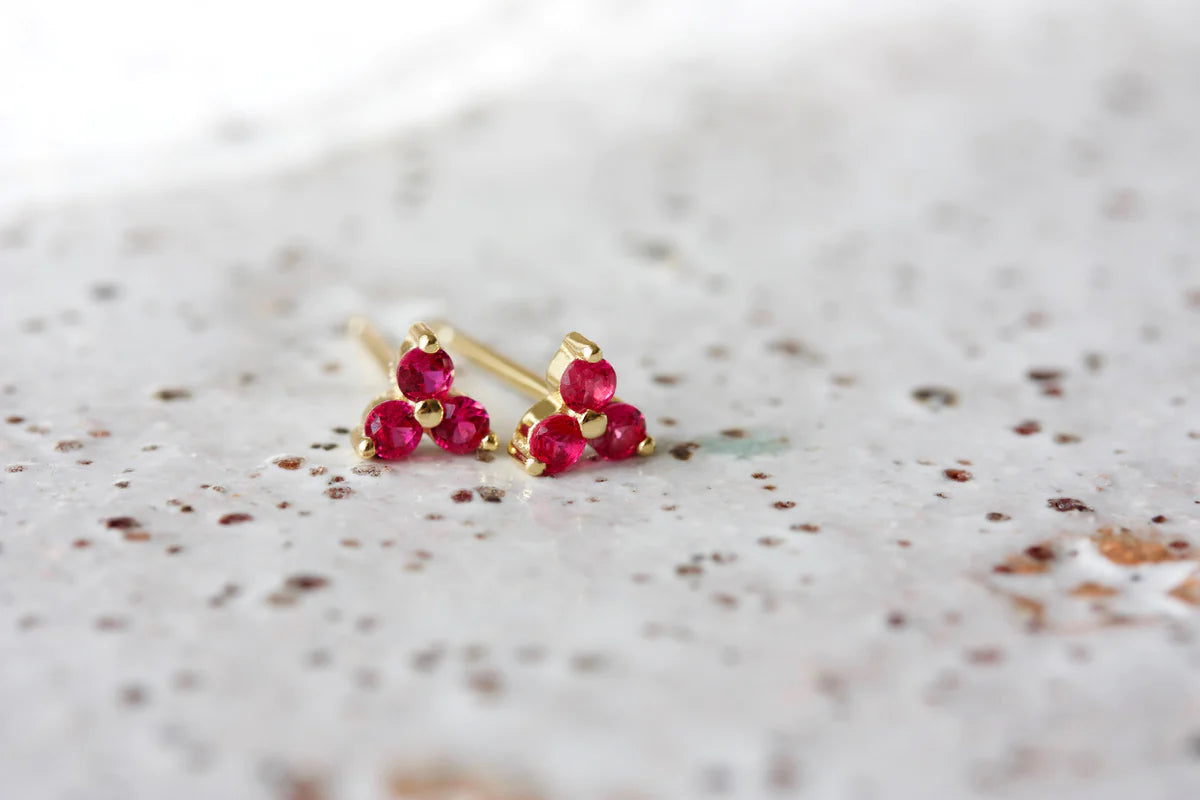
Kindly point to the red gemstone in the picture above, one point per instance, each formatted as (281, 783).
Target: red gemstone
(587, 386)
(464, 424)
(393, 428)
(626, 430)
(422, 375)
(557, 442)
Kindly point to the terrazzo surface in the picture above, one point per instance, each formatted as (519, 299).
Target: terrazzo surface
(913, 314)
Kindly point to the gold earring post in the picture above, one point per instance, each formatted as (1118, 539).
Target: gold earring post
(503, 368)
(376, 344)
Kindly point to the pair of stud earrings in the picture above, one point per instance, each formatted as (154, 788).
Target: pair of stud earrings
(576, 403)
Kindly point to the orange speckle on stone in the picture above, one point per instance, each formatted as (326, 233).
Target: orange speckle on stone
(1127, 548)
(1034, 611)
(1092, 589)
(1188, 591)
(1034, 559)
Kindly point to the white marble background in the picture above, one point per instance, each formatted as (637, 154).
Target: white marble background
(781, 222)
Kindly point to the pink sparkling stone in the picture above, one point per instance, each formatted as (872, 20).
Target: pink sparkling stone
(626, 430)
(422, 375)
(587, 386)
(557, 442)
(393, 428)
(464, 424)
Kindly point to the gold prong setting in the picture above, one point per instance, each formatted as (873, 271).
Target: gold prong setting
(580, 408)
(421, 401)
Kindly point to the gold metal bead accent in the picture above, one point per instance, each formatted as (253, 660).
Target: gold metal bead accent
(592, 424)
(429, 413)
(646, 446)
(362, 445)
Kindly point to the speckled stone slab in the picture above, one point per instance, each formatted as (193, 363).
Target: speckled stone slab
(914, 313)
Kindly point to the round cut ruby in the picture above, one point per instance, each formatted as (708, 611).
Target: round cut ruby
(393, 428)
(422, 376)
(587, 386)
(557, 442)
(464, 424)
(626, 430)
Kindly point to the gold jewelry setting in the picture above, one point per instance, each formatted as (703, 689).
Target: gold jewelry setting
(421, 399)
(577, 405)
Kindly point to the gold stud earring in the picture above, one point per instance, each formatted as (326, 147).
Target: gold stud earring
(577, 405)
(421, 399)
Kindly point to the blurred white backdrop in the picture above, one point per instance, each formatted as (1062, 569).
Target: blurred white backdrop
(137, 93)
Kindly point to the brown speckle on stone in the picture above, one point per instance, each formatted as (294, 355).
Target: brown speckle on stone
(1034, 559)
(1028, 427)
(935, 396)
(235, 518)
(1158, 520)
(338, 492)
(997, 516)
(133, 696)
(173, 393)
(463, 496)
(734, 433)
(588, 662)
(306, 582)
(289, 462)
(1066, 438)
(784, 504)
(121, 523)
(788, 347)
(667, 380)
(67, 445)
(1067, 504)
(1040, 552)
(985, 656)
(490, 494)
(960, 475)
(485, 682)
(684, 450)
